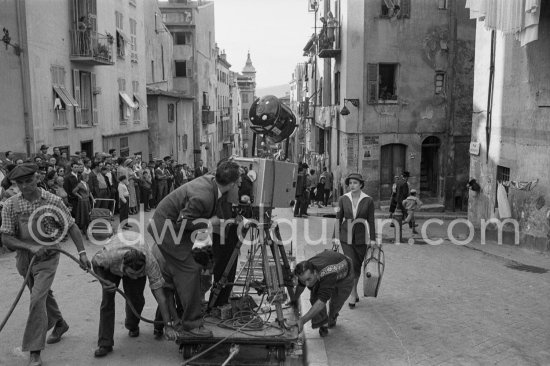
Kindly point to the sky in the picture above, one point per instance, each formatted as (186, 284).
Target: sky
(275, 32)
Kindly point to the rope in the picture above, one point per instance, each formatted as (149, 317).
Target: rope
(100, 279)
(14, 304)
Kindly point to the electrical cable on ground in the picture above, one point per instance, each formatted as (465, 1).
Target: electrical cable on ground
(186, 362)
(14, 304)
(100, 279)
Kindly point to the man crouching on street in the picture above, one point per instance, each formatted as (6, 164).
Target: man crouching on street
(21, 216)
(329, 276)
(130, 263)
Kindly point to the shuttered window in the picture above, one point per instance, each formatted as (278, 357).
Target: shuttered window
(405, 9)
(382, 83)
(372, 83)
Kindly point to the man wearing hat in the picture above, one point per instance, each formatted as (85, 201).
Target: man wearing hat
(20, 216)
(403, 192)
(43, 154)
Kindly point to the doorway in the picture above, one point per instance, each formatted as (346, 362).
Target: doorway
(429, 167)
(392, 163)
(88, 147)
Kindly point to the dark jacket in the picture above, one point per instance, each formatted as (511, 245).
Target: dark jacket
(200, 171)
(94, 184)
(194, 200)
(352, 231)
(402, 192)
(70, 184)
(301, 183)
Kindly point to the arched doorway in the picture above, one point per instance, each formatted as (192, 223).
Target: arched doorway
(392, 163)
(429, 166)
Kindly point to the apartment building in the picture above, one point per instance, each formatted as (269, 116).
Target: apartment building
(76, 81)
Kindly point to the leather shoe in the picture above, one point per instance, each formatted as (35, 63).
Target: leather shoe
(57, 332)
(158, 333)
(34, 359)
(200, 332)
(102, 351)
(134, 333)
(332, 321)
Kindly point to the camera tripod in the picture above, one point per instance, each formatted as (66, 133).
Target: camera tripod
(264, 234)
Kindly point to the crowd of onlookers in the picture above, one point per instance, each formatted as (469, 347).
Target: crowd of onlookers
(313, 188)
(124, 185)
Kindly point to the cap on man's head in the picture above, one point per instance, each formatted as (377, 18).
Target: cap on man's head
(406, 174)
(413, 191)
(23, 171)
(44, 147)
(112, 151)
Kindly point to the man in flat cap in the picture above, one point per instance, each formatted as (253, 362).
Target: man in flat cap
(21, 216)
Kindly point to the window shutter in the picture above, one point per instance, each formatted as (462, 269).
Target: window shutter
(53, 70)
(405, 11)
(94, 99)
(188, 68)
(372, 83)
(76, 87)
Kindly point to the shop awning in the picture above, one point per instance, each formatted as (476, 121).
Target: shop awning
(140, 102)
(127, 100)
(65, 96)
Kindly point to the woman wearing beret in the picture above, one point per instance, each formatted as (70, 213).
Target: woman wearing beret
(355, 226)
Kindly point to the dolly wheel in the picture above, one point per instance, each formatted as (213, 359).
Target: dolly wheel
(188, 351)
(281, 354)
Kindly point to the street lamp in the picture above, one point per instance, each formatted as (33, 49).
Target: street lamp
(345, 110)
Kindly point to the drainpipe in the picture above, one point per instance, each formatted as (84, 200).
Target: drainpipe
(24, 64)
(490, 95)
(177, 137)
(450, 165)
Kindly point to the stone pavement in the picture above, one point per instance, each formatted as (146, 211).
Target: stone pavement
(441, 304)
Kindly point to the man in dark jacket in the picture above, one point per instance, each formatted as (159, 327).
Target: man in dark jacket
(402, 190)
(302, 196)
(200, 170)
(70, 183)
(181, 209)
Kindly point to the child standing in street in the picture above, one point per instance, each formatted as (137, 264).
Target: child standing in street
(411, 204)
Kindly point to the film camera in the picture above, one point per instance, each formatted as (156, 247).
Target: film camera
(273, 181)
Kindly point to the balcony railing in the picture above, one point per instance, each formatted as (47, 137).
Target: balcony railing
(328, 45)
(91, 47)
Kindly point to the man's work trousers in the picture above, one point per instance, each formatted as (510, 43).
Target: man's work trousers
(186, 277)
(342, 290)
(134, 290)
(222, 253)
(43, 310)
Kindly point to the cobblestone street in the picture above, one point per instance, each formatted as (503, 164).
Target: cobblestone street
(444, 305)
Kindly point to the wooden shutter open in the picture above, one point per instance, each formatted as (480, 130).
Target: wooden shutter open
(94, 99)
(405, 11)
(372, 83)
(76, 90)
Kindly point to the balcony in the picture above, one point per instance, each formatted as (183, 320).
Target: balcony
(329, 47)
(91, 48)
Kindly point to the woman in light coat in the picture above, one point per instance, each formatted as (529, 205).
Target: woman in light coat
(355, 227)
